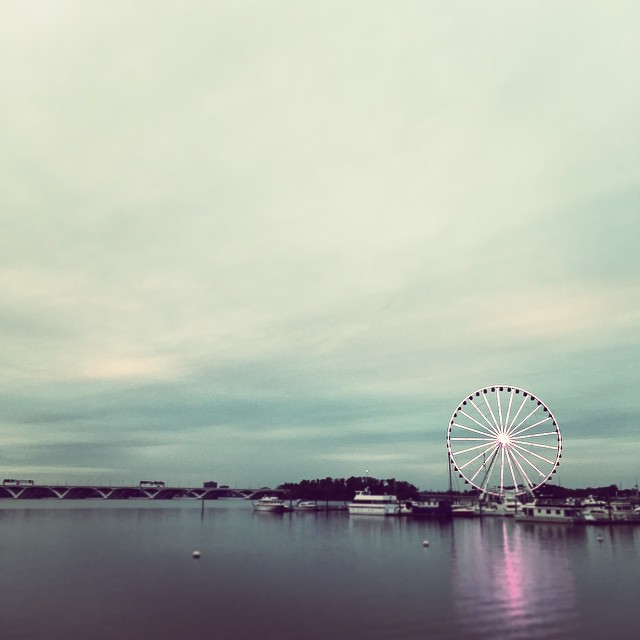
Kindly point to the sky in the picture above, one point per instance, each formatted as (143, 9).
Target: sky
(258, 242)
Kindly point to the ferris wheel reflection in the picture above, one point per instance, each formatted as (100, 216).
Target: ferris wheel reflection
(515, 576)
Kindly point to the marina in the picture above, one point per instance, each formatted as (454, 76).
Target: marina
(524, 508)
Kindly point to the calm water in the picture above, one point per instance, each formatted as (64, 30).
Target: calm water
(103, 570)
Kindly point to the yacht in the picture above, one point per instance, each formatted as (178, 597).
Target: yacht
(594, 510)
(616, 511)
(367, 504)
(510, 504)
(506, 504)
(269, 503)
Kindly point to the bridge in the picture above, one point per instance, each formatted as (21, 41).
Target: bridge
(84, 492)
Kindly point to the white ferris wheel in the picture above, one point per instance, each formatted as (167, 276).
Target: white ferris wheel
(502, 438)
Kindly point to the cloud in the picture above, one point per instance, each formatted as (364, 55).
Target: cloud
(255, 238)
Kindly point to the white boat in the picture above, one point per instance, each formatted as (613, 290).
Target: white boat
(490, 509)
(623, 511)
(510, 504)
(616, 511)
(307, 505)
(367, 504)
(594, 510)
(539, 511)
(507, 506)
(269, 503)
(463, 511)
(406, 508)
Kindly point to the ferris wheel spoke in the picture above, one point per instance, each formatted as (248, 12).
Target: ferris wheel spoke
(519, 447)
(524, 400)
(478, 456)
(493, 417)
(523, 473)
(487, 429)
(482, 433)
(523, 420)
(501, 469)
(462, 451)
(487, 475)
(517, 433)
(536, 435)
(499, 410)
(528, 461)
(538, 445)
(513, 475)
(487, 445)
(506, 420)
(492, 426)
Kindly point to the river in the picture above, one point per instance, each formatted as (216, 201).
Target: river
(98, 570)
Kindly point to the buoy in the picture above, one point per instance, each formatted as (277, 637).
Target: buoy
(425, 543)
(195, 555)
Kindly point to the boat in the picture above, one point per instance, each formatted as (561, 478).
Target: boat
(367, 504)
(616, 511)
(623, 511)
(306, 505)
(463, 511)
(541, 511)
(431, 508)
(490, 509)
(406, 508)
(507, 505)
(594, 510)
(510, 504)
(272, 504)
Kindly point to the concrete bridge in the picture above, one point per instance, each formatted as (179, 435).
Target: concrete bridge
(83, 492)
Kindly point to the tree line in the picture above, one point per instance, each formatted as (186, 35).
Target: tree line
(344, 489)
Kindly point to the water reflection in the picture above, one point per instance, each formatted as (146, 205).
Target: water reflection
(126, 571)
(513, 577)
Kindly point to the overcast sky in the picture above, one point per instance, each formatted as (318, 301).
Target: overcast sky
(256, 242)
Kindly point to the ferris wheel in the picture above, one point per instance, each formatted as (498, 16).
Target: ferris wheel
(502, 438)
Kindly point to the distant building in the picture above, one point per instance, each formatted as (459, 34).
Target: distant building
(210, 485)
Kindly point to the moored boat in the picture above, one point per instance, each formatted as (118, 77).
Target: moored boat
(506, 504)
(539, 511)
(431, 508)
(614, 512)
(367, 504)
(269, 503)
(463, 511)
(490, 509)
(306, 505)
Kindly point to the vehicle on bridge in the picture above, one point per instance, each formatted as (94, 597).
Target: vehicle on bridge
(11, 482)
(146, 484)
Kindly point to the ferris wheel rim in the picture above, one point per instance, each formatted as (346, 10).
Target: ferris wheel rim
(510, 446)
